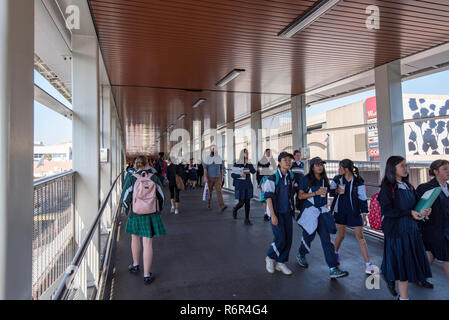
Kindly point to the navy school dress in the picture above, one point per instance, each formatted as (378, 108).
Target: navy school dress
(436, 229)
(349, 206)
(243, 187)
(404, 257)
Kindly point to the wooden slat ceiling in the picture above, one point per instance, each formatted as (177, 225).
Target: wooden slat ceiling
(156, 51)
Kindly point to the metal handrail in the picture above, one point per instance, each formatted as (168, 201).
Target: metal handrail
(45, 180)
(63, 289)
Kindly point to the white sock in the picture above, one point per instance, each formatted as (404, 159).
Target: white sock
(402, 298)
(367, 264)
(336, 252)
(146, 275)
(135, 265)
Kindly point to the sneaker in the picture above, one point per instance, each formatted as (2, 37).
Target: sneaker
(391, 285)
(302, 261)
(266, 217)
(148, 280)
(172, 210)
(337, 273)
(338, 258)
(133, 269)
(425, 284)
(224, 208)
(283, 268)
(269, 265)
(372, 269)
(176, 211)
(248, 222)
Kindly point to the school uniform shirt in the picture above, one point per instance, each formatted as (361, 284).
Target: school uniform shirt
(318, 201)
(404, 257)
(349, 206)
(243, 187)
(298, 170)
(436, 229)
(143, 225)
(281, 194)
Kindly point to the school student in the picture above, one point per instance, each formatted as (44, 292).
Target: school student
(193, 173)
(143, 226)
(265, 167)
(278, 190)
(243, 184)
(298, 171)
(436, 228)
(404, 257)
(316, 217)
(350, 207)
(174, 170)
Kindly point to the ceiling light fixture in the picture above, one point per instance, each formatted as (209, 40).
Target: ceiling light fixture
(198, 102)
(182, 116)
(309, 17)
(229, 77)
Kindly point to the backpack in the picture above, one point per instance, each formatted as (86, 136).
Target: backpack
(375, 215)
(144, 194)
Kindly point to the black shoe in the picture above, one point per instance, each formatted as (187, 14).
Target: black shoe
(148, 280)
(391, 285)
(266, 217)
(425, 284)
(234, 214)
(133, 268)
(248, 222)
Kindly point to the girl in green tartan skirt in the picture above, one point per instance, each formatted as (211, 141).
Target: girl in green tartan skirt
(143, 226)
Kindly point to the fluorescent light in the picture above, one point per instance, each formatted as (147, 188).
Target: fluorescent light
(310, 16)
(230, 76)
(182, 116)
(198, 102)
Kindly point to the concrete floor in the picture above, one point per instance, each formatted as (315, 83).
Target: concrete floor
(209, 255)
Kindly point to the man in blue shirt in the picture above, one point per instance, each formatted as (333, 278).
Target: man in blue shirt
(213, 176)
(278, 190)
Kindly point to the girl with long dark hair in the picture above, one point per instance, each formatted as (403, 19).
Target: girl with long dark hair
(436, 228)
(404, 257)
(315, 217)
(350, 207)
(243, 184)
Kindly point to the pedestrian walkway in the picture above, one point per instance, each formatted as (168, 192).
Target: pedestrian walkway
(209, 255)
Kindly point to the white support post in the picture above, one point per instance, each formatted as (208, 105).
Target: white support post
(86, 143)
(299, 125)
(230, 142)
(106, 167)
(389, 112)
(256, 143)
(16, 147)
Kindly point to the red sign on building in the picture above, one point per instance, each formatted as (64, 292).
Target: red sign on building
(371, 110)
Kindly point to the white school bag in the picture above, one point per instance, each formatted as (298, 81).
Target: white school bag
(144, 194)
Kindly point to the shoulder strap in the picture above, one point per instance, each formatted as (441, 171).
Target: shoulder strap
(277, 178)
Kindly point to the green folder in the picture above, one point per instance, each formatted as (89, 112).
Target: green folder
(427, 199)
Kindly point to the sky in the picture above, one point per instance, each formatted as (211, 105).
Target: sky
(52, 128)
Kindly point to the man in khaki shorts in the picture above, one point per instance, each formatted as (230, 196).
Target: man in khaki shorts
(213, 176)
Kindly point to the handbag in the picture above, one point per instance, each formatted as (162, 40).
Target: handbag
(179, 183)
